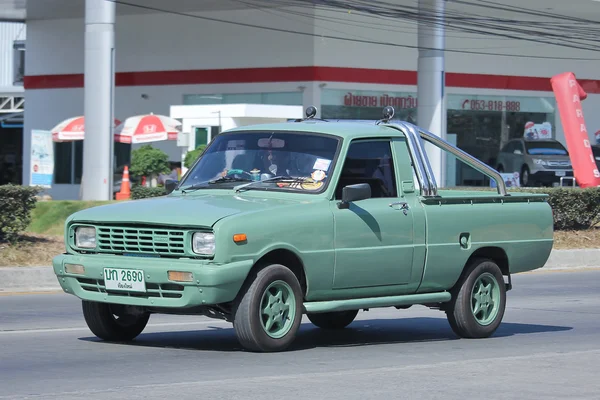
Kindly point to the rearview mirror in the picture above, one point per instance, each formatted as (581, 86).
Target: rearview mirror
(360, 191)
(170, 185)
(271, 143)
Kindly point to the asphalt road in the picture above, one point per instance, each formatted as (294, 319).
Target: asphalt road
(546, 348)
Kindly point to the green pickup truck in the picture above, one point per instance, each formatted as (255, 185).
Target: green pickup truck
(323, 218)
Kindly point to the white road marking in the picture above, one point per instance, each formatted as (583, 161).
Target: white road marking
(56, 330)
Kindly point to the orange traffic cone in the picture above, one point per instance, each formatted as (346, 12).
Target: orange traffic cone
(125, 192)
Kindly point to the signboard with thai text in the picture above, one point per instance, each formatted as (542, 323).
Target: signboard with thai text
(407, 100)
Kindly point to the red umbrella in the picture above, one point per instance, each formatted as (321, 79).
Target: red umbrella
(71, 129)
(147, 128)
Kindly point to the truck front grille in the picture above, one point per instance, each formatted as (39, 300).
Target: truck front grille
(163, 290)
(120, 240)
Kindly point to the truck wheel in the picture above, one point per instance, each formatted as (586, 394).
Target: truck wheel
(478, 301)
(269, 312)
(333, 320)
(111, 322)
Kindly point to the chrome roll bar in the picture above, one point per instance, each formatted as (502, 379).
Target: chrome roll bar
(427, 184)
(415, 139)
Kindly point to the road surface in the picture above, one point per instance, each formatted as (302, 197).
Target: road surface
(547, 348)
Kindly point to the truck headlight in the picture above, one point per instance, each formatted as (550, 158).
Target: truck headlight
(203, 243)
(85, 237)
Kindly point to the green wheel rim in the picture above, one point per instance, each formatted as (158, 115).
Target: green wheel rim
(277, 309)
(485, 299)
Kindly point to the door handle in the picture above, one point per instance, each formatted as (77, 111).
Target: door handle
(400, 205)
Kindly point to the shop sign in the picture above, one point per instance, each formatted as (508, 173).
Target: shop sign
(535, 131)
(399, 102)
(455, 102)
(480, 104)
(41, 169)
(511, 179)
(501, 103)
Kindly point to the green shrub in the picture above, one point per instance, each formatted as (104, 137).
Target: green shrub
(573, 208)
(148, 161)
(16, 204)
(192, 156)
(142, 192)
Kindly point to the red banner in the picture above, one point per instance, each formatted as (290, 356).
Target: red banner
(569, 95)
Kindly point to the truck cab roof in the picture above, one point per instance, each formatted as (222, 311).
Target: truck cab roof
(344, 130)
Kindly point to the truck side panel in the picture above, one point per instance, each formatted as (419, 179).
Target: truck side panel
(524, 230)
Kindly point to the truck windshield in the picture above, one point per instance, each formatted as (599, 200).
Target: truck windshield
(274, 160)
(546, 148)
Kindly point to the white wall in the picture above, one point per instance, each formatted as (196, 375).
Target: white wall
(160, 42)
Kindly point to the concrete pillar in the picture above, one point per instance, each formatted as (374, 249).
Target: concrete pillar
(431, 108)
(99, 56)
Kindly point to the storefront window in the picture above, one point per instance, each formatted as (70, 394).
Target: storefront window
(479, 125)
(482, 125)
(68, 161)
(280, 98)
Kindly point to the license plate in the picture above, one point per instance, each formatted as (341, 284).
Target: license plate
(131, 280)
(561, 173)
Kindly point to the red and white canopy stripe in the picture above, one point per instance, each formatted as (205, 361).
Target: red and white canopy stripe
(147, 128)
(71, 129)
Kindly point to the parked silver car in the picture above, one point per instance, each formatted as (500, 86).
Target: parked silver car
(539, 162)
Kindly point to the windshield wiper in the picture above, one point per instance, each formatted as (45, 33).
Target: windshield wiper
(274, 179)
(220, 179)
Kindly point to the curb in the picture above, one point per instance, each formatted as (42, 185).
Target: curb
(42, 279)
(28, 279)
(573, 258)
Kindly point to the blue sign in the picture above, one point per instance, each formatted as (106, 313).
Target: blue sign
(41, 165)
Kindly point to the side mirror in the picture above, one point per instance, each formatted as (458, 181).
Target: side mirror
(170, 185)
(356, 192)
(518, 152)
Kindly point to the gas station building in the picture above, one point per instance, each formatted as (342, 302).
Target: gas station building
(227, 55)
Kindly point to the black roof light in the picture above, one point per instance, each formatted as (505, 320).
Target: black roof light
(388, 114)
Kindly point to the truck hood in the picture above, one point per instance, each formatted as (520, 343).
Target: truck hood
(191, 210)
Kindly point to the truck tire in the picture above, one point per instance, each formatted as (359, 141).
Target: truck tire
(106, 323)
(269, 310)
(478, 300)
(333, 320)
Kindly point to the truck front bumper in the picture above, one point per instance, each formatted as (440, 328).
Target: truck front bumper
(212, 283)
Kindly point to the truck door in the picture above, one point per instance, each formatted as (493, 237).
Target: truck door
(373, 237)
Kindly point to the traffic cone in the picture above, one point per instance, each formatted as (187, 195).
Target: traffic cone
(125, 192)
